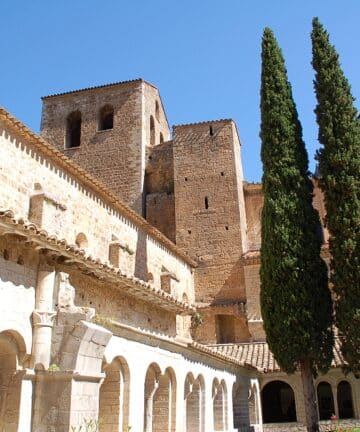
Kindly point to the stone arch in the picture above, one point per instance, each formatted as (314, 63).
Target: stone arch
(159, 400)
(12, 350)
(278, 402)
(325, 400)
(106, 117)
(345, 400)
(83, 349)
(219, 395)
(114, 397)
(194, 395)
(73, 130)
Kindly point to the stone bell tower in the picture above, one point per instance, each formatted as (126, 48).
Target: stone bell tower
(107, 130)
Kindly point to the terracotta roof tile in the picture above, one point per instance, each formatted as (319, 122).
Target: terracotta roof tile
(259, 356)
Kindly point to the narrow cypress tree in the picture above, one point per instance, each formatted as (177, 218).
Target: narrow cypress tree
(339, 166)
(295, 299)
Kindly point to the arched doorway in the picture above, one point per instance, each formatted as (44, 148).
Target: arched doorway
(114, 397)
(10, 382)
(344, 399)
(194, 393)
(325, 400)
(160, 400)
(278, 403)
(219, 394)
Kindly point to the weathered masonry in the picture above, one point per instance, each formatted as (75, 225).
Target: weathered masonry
(129, 276)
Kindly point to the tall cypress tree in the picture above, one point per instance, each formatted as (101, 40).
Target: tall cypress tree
(339, 167)
(295, 299)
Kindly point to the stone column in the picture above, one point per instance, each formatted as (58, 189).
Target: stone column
(43, 316)
(137, 393)
(254, 385)
(336, 405)
(25, 410)
(149, 401)
(209, 403)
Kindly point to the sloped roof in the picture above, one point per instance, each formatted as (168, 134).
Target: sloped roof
(258, 355)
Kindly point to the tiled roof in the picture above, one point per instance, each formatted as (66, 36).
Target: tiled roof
(137, 80)
(213, 351)
(259, 356)
(134, 286)
(90, 182)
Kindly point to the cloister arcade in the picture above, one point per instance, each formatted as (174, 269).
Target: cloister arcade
(158, 391)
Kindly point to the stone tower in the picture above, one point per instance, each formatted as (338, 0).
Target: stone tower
(107, 130)
(211, 223)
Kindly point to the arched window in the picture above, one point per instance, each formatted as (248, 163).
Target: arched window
(345, 402)
(325, 401)
(157, 110)
(73, 130)
(278, 403)
(106, 118)
(161, 137)
(152, 131)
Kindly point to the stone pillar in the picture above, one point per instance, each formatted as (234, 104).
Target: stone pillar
(230, 413)
(25, 411)
(180, 401)
(254, 385)
(43, 316)
(137, 395)
(336, 405)
(209, 403)
(149, 402)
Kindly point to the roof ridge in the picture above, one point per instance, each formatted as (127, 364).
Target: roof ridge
(204, 122)
(97, 87)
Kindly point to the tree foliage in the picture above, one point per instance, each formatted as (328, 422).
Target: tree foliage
(339, 167)
(295, 299)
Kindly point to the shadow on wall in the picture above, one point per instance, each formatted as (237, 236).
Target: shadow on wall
(141, 267)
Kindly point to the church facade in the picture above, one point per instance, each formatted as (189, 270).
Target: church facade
(129, 277)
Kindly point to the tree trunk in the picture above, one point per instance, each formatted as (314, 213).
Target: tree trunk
(311, 413)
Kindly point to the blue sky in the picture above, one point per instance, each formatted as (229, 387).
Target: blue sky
(203, 55)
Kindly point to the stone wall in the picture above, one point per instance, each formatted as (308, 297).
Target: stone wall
(253, 204)
(77, 213)
(208, 197)
(114, 155)
(159, 186)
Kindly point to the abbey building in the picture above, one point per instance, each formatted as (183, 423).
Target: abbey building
(129, 277)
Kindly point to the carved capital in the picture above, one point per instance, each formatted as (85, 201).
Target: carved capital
(43, 318)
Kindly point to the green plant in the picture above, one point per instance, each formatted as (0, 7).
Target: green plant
(196, 320)
(104, 321)
(339, 168)
(88, 425)
(53, 367)
(295, 299)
